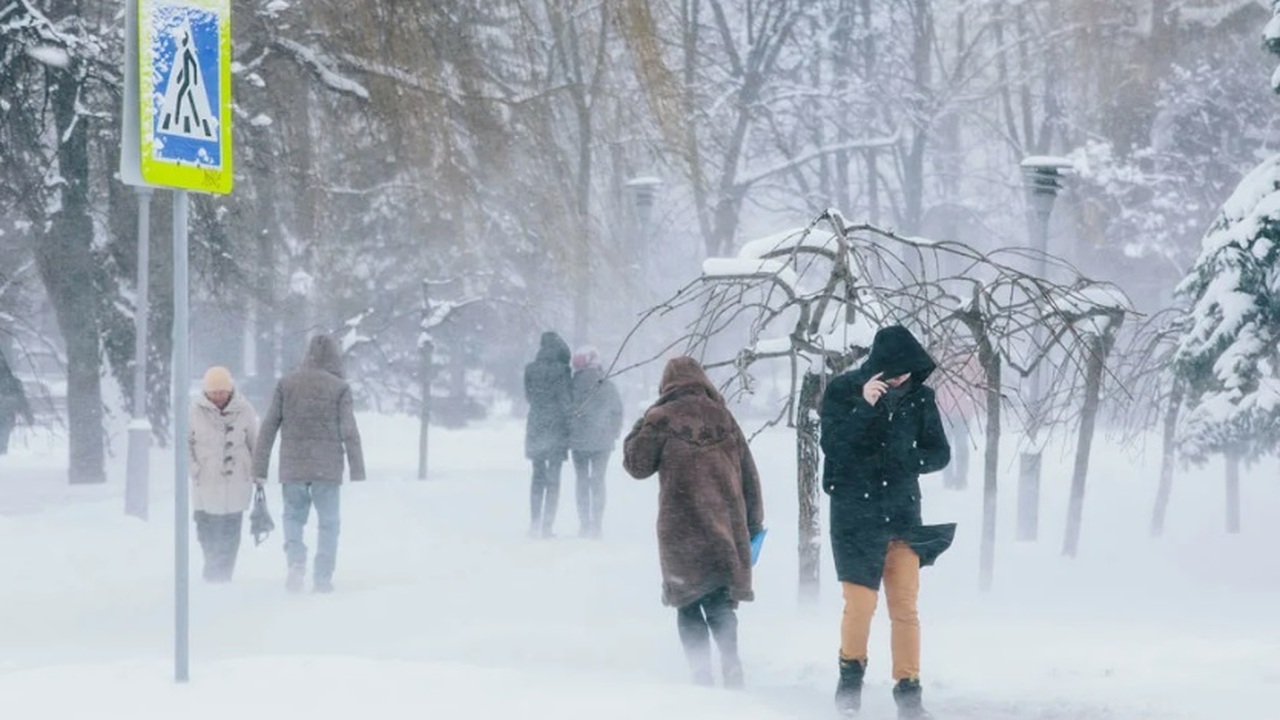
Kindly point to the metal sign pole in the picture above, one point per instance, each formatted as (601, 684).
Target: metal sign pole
(176, 133)
(181, 419)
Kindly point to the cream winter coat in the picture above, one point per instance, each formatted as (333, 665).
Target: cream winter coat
(221, 443)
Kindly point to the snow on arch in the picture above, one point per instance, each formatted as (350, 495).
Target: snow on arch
(787, 240)
(742, 268)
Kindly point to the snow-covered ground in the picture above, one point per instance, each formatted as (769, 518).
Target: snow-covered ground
(445, 609)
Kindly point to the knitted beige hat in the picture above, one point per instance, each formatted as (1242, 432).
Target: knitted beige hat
(218, 378)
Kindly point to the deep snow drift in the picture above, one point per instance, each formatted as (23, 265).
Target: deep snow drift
(445, 609)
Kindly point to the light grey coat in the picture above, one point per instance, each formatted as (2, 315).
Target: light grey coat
(312, 411)
(221, 444)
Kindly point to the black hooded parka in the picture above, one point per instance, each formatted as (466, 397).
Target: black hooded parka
(875, 455)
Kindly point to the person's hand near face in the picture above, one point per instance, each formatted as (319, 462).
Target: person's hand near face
(875, 388)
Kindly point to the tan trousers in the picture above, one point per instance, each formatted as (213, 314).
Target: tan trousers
(901, 589)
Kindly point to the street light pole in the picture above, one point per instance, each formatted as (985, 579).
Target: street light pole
(643, 191)
(137, 480)
(1041, 175)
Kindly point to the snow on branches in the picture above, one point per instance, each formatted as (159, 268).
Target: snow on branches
(1228, 355)
(816, 295)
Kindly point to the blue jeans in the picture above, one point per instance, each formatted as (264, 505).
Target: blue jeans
(298, 499)
(590, 467)
(544, 495)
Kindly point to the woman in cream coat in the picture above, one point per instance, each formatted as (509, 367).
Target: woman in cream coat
(224, 428)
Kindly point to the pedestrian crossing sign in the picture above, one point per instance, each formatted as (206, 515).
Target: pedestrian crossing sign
(185, 93)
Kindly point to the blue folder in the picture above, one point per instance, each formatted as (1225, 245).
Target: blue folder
(757, 542)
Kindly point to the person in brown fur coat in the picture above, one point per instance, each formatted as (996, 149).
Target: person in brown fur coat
(709, 508)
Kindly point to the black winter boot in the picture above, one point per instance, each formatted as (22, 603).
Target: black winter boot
(907, 693)
(695, 636)
(849, 689)
(723, 621)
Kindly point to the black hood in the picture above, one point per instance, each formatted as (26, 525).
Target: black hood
(895, 351)
(553, 348)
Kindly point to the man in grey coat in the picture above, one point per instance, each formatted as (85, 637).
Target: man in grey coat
(312, 411)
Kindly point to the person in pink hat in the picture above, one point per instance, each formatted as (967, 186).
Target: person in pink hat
(595, 423)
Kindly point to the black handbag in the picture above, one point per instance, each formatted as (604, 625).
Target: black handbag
(260, 522)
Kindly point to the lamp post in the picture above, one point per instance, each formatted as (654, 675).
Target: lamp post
(643, 191)
(1041, 176)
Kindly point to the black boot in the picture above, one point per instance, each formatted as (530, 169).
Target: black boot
(731, 667)
(695, 636)
(723, 622)
(849, 690)
(907, 693)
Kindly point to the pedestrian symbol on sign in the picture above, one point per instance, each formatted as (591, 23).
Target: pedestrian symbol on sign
(185, 110)
(186, 54)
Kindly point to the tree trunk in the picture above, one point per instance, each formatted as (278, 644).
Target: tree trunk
(868, 51)
(990, 470)
(873, 188)
(268, 341)
(582, 218)
(808, 470)
(956, 474)
(913, 160)
(1168, 449)
(64, 255)
(426, 350)
(1100, 345)
(1233, 492)
(989, 361)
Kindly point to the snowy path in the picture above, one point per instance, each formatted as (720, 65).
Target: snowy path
(445, 609)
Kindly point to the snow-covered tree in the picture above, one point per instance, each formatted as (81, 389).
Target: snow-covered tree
(1149, 207)
(1229, 357)
(58, 72)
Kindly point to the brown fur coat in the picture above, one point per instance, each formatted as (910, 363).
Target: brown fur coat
(709, 502)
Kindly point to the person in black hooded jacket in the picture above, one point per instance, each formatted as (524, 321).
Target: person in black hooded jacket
(546, 436)
(881, 430)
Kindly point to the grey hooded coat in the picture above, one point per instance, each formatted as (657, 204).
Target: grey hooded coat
(312, 411)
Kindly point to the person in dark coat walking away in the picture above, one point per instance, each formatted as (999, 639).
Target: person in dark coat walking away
(595, 423)
(13, 404)
(224, 429)
(312, 411)
(709, 508)
(546, 434)
(880, 431)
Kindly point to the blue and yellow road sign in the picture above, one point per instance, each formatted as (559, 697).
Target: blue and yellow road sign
(184, 55)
